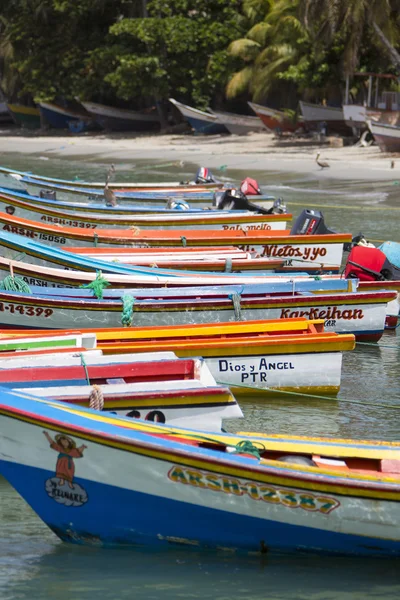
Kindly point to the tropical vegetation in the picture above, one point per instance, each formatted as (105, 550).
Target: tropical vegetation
(138, 53)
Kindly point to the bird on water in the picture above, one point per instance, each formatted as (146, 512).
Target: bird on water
(111, 199)
(321, 163)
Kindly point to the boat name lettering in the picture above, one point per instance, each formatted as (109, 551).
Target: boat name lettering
(238, 227)
(67, 222)
(329, 314)
(29, 311)
(34, 235)
(254, 372)
(43, 283)
(289, 251)
(255, 491)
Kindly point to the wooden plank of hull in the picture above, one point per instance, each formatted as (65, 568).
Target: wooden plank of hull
(315, 114)
(343, 502)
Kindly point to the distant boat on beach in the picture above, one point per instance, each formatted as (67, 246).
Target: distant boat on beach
(274, 120)
(384, 108)
(239, 124)
(386, 136)
(65, 118)
(315, 115)
(121, 119)
(202, 122)
(25, 116)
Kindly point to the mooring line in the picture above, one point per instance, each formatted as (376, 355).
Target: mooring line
(309, 396)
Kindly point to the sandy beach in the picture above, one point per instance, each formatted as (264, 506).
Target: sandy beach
(253, 152)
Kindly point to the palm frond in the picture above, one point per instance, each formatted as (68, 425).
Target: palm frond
(239, 83)
(245, 49)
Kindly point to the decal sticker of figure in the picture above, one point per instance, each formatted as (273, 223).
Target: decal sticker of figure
(62, 487)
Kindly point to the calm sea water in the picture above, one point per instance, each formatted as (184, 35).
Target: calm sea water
(35, 565)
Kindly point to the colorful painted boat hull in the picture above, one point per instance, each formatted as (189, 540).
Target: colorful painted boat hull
(202, 122)
(60, 118)
(25, 116)
(274, 120)
(223, 221)
(322, 252)
(250, 357)
(213, 499)
(362, 314)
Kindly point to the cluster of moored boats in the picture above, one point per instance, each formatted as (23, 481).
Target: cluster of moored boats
(133, 315)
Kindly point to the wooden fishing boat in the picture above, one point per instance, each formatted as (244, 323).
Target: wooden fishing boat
(254, 357)
(180, 392)
(10, 178)
(43, 258)
(101, 207)
(239, 124)
(238, 492)
(120, 119)
(303, 251)
(386, 136)
(61, 118)
(274, 120)
(52, 213)
(315, 115)
(202, 122)
(196, 197)
(360, 313)
(25, 116)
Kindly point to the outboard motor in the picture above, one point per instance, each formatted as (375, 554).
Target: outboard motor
(204, 175)
(48, 194)
(176, 204)
(310, 222)
(367, 263)
(250, 187)
(232, 199)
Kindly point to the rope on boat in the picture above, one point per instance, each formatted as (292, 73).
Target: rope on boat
(309, 396)
(247, 447)
(128, 302)
(83, 363)
(184, 241)
(96, 398)
(97, 286)
(14, 284)
(135, 230)
(235, 297)
(228, 265)
(95, 239)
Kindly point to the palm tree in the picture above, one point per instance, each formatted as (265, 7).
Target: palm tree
(275, 41)
(352, 19)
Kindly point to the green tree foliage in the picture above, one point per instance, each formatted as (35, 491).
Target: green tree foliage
(180, 49)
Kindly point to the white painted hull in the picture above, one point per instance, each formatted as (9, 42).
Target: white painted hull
(361, 319)
(223, 222)
(318, 112)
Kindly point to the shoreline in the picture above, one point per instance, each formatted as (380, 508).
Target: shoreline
(253, 152)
